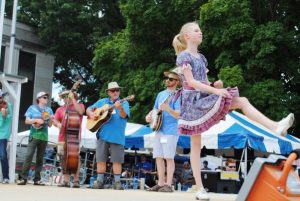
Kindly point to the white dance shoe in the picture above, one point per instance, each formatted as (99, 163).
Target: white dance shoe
(202, 195)
(285, 124)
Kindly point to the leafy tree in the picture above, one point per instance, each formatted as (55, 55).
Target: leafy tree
(137, 56)
(260, 38)
(252, 44)
(70, 30)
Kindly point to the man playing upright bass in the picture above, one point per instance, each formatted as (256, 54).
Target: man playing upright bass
(70, 100)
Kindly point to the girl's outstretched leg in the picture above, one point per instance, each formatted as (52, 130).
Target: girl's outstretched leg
(252, 113)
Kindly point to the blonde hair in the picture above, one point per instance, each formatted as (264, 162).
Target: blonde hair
(179, 42)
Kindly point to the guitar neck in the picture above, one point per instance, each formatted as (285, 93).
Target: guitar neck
(113, 106)
(110, 108)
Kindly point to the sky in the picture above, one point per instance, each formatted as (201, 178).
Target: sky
(56, 89)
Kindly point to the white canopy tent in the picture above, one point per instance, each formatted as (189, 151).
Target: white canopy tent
(88, 138)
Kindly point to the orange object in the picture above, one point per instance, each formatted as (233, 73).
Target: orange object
(272, 179)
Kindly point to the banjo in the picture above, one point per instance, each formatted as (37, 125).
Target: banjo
(157, 116)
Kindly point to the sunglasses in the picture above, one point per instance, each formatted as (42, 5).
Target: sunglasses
(232, 166)
(170, 79)
(114, 90)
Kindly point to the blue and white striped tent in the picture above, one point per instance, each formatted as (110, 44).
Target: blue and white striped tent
(236, 131)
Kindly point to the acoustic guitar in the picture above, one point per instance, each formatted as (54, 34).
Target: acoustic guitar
(103, 115)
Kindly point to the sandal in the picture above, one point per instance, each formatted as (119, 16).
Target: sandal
(64, 184)
(166, 188)
(22, 182)
(76, 184)
(154, 188)
(39, 183)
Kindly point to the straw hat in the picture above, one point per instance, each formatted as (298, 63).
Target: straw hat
(174, 71)
(113, 85)
(64, 93)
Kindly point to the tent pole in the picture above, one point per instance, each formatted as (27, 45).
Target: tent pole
(241, 160)
(246, 162)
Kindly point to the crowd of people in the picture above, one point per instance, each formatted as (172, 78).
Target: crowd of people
(190, 111)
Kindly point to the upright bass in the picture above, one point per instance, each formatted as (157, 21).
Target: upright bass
(71, 126)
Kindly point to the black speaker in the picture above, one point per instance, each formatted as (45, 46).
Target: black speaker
(209, 180)
(227, 186)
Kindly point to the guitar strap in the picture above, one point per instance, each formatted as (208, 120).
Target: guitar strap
(168, 98)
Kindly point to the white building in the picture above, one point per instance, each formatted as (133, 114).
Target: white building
(30, 60)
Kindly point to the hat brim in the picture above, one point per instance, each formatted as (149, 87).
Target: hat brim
(167, 73)
(62, 94)
(113, 88)
(45, 94)
(170, 72)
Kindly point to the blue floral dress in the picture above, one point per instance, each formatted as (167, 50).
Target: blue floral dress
(199, 110)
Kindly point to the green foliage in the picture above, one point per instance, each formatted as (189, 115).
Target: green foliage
(269, 96)
(224, 21)
(70, 30)
(260, 41)
(232, 76)
(250, 44)
(137, 56)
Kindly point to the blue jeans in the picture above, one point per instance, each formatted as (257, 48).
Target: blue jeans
(3, 157)
(185, 187)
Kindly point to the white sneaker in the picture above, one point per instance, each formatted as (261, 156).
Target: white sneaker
(285, 124)
(5, 181)
(202, 195)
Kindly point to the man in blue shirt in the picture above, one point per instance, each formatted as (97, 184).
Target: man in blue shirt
(40, 117)
(165, 140)
(144, 170)
(111, 136)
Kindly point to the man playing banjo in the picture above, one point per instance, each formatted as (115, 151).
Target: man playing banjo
(166, 135)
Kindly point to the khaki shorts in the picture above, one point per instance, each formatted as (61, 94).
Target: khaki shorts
(164, 146)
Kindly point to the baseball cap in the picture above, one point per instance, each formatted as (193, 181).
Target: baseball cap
(40, 94)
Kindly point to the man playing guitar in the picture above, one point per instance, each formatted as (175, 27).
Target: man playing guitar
(111, 136)
(70, 99)
(39, 117)
(165, 140)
